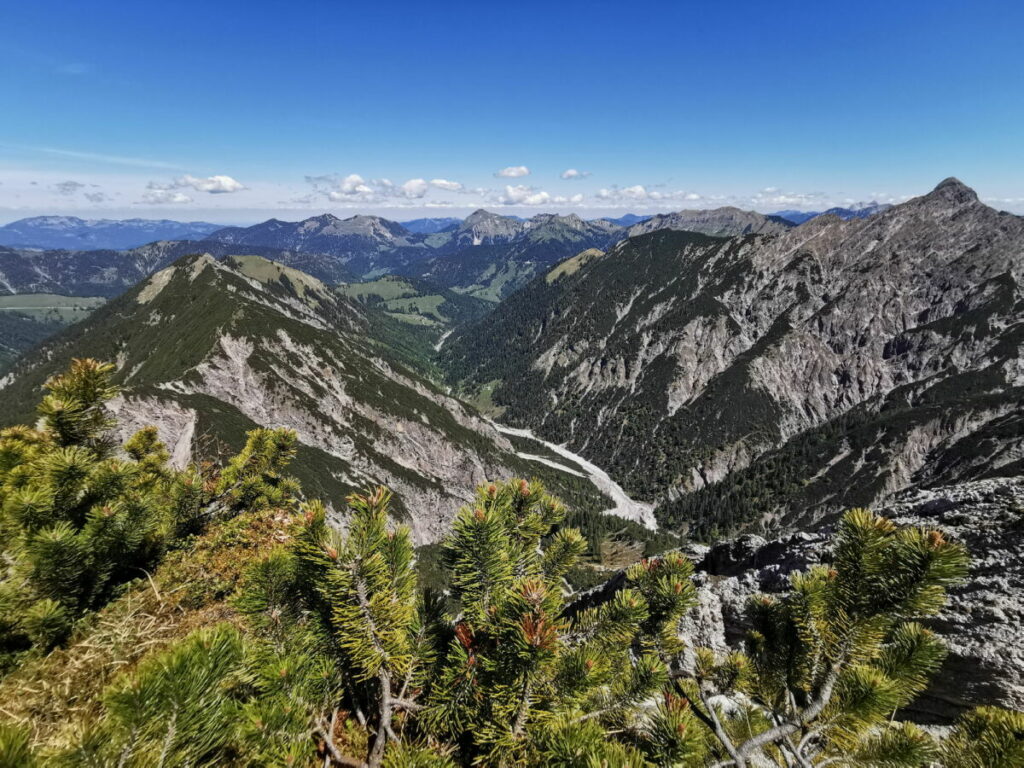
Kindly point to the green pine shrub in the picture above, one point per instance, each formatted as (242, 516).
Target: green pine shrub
(81, 516)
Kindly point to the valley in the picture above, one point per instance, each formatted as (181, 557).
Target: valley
(731, 371)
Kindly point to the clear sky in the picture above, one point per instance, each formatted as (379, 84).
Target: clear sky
(239, 111)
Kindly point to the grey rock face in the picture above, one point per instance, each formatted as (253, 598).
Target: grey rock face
(982, 624)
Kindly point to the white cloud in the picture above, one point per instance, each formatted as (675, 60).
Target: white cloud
(165, 197)
(414, 189)
(572, 173)
(337, 189)
(448, 186)
(215, 185)
(520, 194)
(633, 193)
(513, 172)
(356, 190)
(218, 184)
(774, 198)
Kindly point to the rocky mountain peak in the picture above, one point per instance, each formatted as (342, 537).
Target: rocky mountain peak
(485, 227)
(325, 219)
(480, 214)
(953, 191)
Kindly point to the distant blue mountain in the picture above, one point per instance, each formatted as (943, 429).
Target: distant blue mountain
(797, 217)
(859, 212)
(429, 226)
(75, 234)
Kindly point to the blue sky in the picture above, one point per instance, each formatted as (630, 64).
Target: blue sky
(238, 111)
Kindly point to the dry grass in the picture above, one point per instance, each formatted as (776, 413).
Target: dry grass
(56, 694)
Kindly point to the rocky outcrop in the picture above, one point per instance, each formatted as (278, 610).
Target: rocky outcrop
(982, 624)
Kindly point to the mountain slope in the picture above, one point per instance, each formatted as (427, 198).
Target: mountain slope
(73, 233)
(208, 349)
(768, 380)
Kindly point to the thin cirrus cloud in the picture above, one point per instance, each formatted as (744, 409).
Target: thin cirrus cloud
(446, 185)
(513, 172)
(74, 68)
(92, 157)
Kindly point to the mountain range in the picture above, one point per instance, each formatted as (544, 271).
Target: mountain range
(731, 368)
(770, 380)
(685, 379)
(485, 255)
(861, 211)
(77, 234)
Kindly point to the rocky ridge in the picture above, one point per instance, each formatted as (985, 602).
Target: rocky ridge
(982, 622)
(718, 222)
